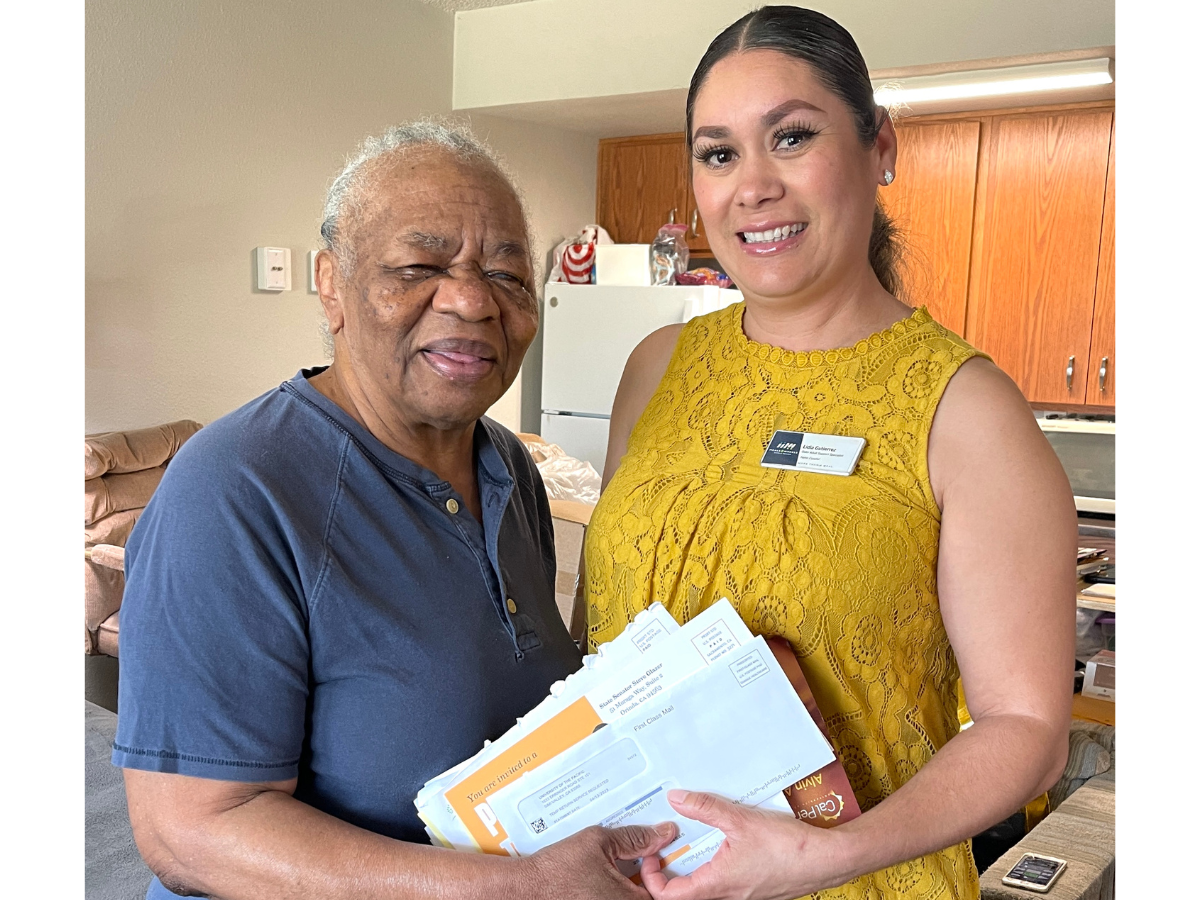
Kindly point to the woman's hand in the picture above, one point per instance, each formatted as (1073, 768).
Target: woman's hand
(765, 855)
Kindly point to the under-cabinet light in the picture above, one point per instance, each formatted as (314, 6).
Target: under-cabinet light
(994, 82)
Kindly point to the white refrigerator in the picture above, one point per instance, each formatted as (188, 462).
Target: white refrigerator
(588, 333)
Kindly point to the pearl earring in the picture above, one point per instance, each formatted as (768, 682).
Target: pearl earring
(888, 177)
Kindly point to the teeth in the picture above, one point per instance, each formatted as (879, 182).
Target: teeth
(760, 237)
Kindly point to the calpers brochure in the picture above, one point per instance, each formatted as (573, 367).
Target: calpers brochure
(704, 706)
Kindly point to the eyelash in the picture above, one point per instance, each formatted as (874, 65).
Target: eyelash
(705, 154)
(421, 272)
(509, 277)
(788, 131)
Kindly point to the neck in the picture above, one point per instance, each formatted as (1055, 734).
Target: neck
(447, 452)
(823, 318)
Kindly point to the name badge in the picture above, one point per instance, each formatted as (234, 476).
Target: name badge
(803, 451)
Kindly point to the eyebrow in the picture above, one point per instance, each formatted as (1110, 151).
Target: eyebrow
(425, 240)
(771, 117)
(507, 249)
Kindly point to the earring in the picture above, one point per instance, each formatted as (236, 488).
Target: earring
(888, 177)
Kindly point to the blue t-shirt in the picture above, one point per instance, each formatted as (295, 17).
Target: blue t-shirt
(302, 602)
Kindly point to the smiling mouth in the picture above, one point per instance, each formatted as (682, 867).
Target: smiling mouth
(773, 235)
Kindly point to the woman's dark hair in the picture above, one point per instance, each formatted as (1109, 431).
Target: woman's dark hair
(825, 45)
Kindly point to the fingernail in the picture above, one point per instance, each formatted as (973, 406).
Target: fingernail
(665, 829)
(677, 796)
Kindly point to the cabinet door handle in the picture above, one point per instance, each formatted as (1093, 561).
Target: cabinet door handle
(1070, 372)
(695, 219)
(671, 215)
(1103, 373)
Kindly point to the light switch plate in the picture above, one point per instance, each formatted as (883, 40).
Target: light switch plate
(312, 271)
(274, 268)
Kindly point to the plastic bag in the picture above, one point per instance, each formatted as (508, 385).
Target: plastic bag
(565, 477)
(668, 254)
(704, 275)
(574, 258)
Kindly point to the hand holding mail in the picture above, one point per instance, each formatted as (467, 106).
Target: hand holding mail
(660, 706)
(766, 855)
(584, 865)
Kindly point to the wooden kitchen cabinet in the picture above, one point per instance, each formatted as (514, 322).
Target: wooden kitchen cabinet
(640, 183)
(1039, 205)
(697, 237)
(932, 202)
(1008, 221)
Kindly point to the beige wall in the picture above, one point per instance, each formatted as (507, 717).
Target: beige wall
(214, 128)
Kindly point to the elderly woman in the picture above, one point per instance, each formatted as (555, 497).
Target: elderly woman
(948, 550)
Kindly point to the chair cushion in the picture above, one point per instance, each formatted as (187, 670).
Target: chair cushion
(102, 591)
(132, 451)
(114, 529)
(108, 494)
(106, 634)
(1087, 758)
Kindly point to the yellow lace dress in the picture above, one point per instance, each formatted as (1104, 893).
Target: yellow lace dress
(844, 568)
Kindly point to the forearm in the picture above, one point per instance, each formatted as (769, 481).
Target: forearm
(276, 846)
(977, 779)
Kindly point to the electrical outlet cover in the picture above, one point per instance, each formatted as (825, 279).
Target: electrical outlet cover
(274, 268)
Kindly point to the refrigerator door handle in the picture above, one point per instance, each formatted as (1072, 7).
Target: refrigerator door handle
(574, 414)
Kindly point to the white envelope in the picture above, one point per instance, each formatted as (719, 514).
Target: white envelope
(734, 728)
(648, 630)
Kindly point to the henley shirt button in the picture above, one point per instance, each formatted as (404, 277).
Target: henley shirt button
(452, 505)
(512, 606)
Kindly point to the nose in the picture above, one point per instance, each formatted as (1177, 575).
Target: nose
(758, 181)
(466, 294)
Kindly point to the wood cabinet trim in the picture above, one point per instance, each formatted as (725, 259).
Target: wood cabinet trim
(668, 138)
(1103, 337)
(1049, 109)
(982, 178)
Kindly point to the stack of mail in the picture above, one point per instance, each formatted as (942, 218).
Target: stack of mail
(701, 707)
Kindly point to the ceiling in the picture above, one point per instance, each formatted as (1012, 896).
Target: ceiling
(657, 112)
(627, 71)
(456, 5)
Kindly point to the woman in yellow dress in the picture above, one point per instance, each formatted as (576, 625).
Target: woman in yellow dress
(950, 549)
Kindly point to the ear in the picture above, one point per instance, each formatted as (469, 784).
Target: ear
(328, 278)
(885, 146)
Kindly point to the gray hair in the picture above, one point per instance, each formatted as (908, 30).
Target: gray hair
(347, 195)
